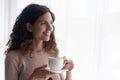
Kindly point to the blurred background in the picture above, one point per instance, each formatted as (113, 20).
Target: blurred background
(87, 31)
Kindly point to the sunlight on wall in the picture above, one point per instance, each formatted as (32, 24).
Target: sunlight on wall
(112, 6)
(2, 40)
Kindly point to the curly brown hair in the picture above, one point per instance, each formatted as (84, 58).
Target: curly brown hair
(21, 38)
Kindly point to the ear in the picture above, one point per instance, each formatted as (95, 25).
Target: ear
(29, 27)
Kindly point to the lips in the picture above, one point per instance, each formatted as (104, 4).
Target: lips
(46, 33)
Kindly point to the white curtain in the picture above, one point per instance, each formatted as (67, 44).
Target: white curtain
(87, 31)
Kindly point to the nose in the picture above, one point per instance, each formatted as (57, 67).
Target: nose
(50, 27)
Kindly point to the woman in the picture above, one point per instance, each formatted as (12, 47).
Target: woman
(31, 42)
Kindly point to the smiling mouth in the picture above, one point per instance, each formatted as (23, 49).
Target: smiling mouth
(46, 33)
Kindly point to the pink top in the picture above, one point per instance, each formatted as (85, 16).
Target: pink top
(19, 67)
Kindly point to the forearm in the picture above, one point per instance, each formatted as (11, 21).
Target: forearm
(68, 75)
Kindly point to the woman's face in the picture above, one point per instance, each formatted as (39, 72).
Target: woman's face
(43, 27)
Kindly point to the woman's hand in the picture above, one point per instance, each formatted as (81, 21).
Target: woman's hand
(41, 73)
(68, 64)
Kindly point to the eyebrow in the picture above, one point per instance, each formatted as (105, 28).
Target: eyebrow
(45, 20)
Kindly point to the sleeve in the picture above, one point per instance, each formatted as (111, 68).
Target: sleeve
(62, 76)
(11, 67)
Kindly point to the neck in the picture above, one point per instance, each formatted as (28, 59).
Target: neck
(37, 45)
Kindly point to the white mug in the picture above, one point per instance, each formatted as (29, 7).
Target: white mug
(55, 64)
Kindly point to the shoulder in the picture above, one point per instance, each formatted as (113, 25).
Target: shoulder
(13, 55)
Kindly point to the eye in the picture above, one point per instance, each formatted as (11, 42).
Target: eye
(42, 23)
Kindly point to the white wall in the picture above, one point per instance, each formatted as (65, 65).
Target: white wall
(2, 40)
(87, 32)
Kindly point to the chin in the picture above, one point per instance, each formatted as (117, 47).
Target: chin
(47, 39)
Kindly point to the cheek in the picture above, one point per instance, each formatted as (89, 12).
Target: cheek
(52, 29)
(38, 31)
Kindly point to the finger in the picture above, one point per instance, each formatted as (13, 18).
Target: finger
(68, 61)
(64, 57)
(44, 66)
(41, 68)
(69, 67)
(51, 73)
